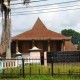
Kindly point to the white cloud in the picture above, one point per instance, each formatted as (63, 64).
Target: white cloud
(55, 21)
(77, 27)
(58, 21)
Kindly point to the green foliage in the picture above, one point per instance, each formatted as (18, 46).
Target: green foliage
(45, 78)
(41, 69)
(70, 32)
(58, 67)
(78, 48)
(75, 35)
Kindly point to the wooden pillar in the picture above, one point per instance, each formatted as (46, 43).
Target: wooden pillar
(48, 45)
(33, 43)
(45, 58)
(63, 45)
(17, 49)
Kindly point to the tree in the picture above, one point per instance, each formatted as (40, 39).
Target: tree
(78, 47)
(75, 35)
(6, 27)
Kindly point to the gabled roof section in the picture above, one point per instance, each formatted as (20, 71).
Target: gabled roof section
(39, 25)
(40, 32)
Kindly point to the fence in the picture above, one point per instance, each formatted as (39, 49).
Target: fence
(59, 63)
(64, 56)
(67, 62)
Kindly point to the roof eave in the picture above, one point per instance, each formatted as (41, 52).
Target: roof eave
(41, 39)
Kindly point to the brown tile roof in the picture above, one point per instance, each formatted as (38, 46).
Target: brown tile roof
(69, 46)
(39, 32)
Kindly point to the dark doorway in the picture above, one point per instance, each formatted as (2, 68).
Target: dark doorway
(13, 47)
(58, 45)
(42, 60)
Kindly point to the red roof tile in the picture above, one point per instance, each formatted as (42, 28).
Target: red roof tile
(69, 46)
(40, 32)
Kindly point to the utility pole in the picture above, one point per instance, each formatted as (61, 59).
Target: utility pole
(6, 31)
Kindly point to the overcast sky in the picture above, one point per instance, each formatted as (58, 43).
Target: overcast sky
(55, 21)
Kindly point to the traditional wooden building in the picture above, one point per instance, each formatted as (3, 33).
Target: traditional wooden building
(41, 37)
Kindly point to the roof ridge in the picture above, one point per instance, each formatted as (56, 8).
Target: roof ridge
(39, 25)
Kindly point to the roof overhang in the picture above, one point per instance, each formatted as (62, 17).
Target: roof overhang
(25, 39)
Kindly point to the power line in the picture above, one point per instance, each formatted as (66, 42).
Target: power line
(48, 9)
(29, 2)
(47, 4)
(46, 12)
(13, 0)
(52, 11)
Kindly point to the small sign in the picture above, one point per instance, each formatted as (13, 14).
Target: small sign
(20, 61)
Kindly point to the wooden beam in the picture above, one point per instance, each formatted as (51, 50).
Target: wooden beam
(63, 45)
(48, 45)
(17, 48)
(33, 43)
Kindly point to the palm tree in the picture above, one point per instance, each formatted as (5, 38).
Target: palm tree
(6, 26)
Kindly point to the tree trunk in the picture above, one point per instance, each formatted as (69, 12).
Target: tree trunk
(6, 35)
(6, 31)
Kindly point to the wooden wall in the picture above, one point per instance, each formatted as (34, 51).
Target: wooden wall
(24, 46)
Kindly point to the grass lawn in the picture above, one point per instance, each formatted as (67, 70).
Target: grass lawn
(45, 78)
(41, 69)
(38, 72)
